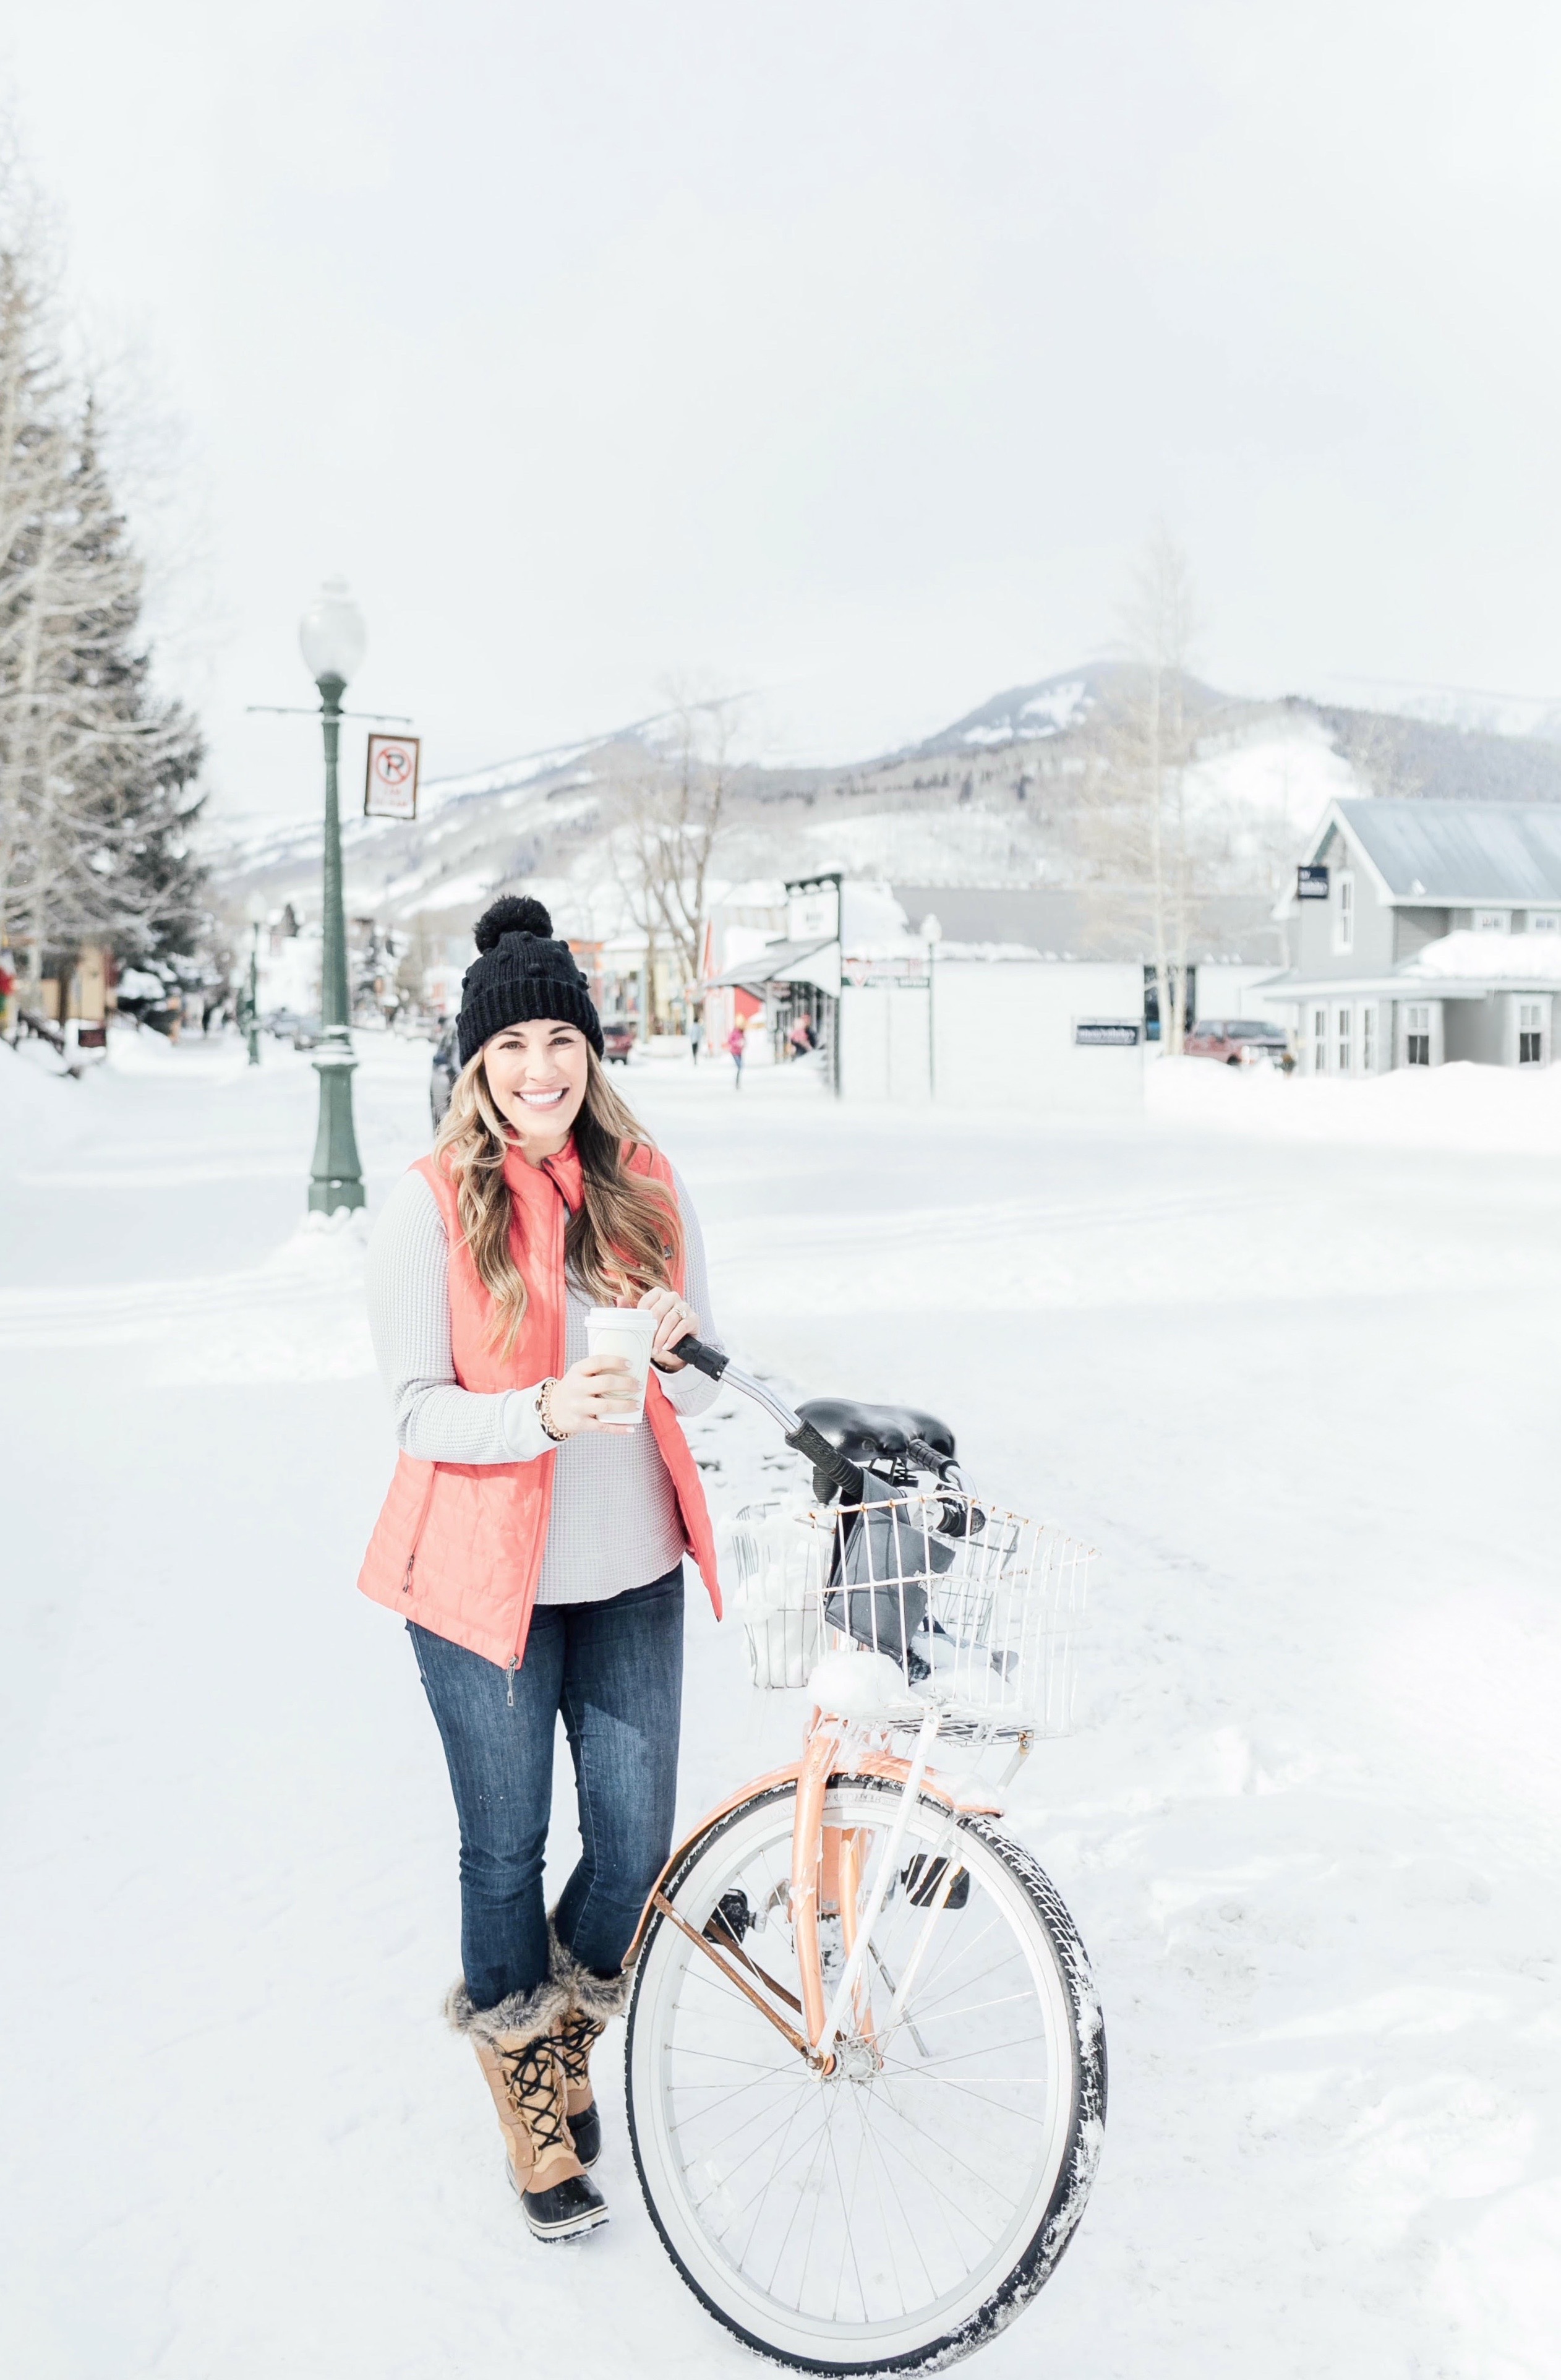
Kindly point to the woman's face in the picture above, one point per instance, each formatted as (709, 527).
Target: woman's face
(538, 1074)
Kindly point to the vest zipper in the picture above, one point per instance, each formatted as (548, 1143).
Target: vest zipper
(416, 1533)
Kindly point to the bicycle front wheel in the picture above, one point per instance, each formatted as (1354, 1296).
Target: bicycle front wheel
(901, 2211)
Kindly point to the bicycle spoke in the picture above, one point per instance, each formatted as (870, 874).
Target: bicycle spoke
(928, 2182)
(757, 2150)
(729, 2058)
(943, 2149)
(893, 2233)
(702, 2115)
(761, 2196)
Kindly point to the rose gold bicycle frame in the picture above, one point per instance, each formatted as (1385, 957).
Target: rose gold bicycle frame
(826, 1874)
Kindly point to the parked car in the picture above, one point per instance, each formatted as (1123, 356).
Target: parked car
(1238, 1041)
(446, 1065)
(307, 1033)
(282, 1022)
(617, 1039)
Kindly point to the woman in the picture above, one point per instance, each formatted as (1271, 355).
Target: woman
(532, 1542)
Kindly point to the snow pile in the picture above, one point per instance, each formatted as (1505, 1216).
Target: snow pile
(1455, 1107)
(1486, 958)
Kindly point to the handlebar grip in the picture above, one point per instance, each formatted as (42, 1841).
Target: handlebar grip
(828, 1460)
(709, 1360)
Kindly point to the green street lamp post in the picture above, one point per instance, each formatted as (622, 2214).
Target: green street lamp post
(332, 636)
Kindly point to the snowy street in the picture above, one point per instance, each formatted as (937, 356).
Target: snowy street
(1289, 1364)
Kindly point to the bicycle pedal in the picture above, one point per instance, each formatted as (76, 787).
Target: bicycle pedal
(731, 1915)
(923, 1878)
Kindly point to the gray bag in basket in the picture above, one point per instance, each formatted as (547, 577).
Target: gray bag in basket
(876, 1594)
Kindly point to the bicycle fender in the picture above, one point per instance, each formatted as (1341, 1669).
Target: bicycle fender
(870, 1763)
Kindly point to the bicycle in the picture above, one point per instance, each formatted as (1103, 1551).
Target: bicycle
(865, 2062)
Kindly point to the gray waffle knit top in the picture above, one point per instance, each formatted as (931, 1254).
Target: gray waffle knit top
(615, 1522)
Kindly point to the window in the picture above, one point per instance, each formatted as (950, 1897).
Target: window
(1530, 1034)
(1319, 1040)
(1342, 1028)
(1417, 1037)
(1368, 1039)
(1544, 921)
(1344, 916)
(1491, 921)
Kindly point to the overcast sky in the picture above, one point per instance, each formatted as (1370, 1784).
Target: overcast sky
(845, 349)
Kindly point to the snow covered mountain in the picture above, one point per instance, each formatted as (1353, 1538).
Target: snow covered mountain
(992, 799)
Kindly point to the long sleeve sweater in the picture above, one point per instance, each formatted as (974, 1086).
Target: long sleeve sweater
(615, 1522)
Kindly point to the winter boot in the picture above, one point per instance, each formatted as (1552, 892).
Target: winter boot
(592, 1999)
(574, 2039)
(519, 2053)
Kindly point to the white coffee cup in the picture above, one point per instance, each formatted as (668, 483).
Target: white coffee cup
(628, 1331)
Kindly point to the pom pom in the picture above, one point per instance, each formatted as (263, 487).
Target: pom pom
(515, 913)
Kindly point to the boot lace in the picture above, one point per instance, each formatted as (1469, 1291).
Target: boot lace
(534, 2082)
(574, 2041)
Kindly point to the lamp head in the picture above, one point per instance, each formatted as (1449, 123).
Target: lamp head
(255, 909)
(331, 634)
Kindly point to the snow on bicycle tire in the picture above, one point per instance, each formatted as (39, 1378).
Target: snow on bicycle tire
(897, 2213)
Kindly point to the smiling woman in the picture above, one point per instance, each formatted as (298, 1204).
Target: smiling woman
(534, 1533)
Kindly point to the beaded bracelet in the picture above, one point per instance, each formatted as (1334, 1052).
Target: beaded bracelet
(545, 1412)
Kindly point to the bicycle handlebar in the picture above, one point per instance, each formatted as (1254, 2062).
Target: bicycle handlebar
(828, 1462)
(709, 1360)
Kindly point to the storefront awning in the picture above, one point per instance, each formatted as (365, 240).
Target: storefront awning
(777, 963)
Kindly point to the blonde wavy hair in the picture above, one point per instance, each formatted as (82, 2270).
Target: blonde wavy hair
(626, 1235)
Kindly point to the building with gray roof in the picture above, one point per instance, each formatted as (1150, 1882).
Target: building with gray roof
(1424, 932)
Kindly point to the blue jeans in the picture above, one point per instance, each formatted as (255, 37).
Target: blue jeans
(615, 1671)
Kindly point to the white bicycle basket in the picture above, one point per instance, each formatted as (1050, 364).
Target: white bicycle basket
(980, 1609)
(774, 1546)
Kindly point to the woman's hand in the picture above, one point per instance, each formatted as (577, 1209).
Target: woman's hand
(593, 1394)
(675, 1319)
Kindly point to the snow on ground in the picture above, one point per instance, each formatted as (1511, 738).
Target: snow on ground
(1293, 1373)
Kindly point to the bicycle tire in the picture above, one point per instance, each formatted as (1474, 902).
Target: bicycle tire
(1036, 2259)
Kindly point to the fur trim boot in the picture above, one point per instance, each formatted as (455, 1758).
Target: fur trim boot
(574, 2038)
(592, 1999)
(517, 2049)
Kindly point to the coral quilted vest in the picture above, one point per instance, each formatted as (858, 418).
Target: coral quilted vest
(458, 1545)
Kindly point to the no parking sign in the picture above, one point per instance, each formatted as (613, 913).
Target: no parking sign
(390, 788)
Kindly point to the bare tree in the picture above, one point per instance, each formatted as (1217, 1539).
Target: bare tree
(1135, 824)
(668, 821)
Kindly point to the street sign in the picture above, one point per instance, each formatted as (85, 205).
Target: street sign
(1104, 1033)
(1312, 884)
(390, 786)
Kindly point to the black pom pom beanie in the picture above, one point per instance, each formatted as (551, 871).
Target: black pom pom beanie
(521, 973)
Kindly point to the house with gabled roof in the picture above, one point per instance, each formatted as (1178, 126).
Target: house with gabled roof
(1421, 932)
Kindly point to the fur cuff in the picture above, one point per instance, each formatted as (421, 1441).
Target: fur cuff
(595, 1996)
(519, 2018)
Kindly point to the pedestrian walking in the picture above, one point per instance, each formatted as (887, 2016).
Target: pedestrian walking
(736, 1042)
(696, 1036)
(533, 1536)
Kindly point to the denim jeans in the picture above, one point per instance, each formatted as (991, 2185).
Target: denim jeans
(615, 1669)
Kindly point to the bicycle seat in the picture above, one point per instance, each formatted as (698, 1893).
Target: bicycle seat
(872, 1433)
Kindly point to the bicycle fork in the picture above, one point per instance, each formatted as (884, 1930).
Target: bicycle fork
(827, 1860)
